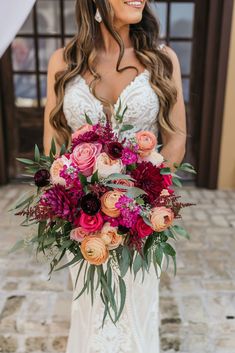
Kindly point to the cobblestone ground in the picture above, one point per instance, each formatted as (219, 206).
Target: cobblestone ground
(197, 306)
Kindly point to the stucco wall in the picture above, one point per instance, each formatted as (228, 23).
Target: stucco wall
(226, 178)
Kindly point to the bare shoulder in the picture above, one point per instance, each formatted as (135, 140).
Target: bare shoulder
(57, 61)
(171, 53)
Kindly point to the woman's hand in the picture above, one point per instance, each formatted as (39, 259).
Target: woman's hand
(174, 143)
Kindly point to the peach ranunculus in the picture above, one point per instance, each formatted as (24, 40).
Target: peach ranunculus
(84, 156)
(154, 157)
(110, 236)
(108, 201)
(94, 250)
(146, 142)
(81, 130)
(161, 218)
(106, 165)
(124, 182)
(56, 168)
(78, 234)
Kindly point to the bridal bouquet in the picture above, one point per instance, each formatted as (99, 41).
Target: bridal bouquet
(109, 200)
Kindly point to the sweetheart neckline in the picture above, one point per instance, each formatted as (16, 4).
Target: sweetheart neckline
(145, 72)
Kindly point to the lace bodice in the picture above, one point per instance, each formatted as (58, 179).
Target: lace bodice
(138, 96)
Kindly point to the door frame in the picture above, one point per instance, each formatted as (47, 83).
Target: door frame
(214, 89)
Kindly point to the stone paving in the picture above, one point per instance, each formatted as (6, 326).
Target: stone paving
(197, 306)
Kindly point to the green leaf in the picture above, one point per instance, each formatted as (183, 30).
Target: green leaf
(53, 147)
(137, 264)
(175, 265)
(126, 127)
(124, 261)
(148, 244)
(176, 182)
(159, 255)
(17, 246)
(94, 178)
(88, 120)
(165, 171)
(63, 149)
(25, 161)
(82, 179)
(37, 155)
(79, 271)
(147, 221)
(134, 192)
(168, 249)
(181, 231)
(73, 261)
(116, 176)
(122, 289)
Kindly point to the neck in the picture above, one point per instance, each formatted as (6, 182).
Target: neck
(110, 46)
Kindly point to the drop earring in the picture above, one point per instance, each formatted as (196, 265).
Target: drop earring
(98, 17)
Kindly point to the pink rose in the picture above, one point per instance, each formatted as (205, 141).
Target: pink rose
(78, 234)
(91, 223)
(142, 228)
(84, 156)
(82, 130)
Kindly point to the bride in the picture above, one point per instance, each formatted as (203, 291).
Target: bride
(116, 58)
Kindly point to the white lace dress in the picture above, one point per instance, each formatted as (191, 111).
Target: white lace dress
(138, 328)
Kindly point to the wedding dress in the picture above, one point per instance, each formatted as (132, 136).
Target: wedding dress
(137, 331)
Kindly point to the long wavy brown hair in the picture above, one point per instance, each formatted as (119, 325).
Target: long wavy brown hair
(81, 53)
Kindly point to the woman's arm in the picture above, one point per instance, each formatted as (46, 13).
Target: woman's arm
(174, 143)
(56, 63)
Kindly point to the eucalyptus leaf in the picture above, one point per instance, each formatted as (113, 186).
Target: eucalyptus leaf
(88, 120)
(126, 127)
(26, 161)
(168, 249)
(37, 155)
(181, 231)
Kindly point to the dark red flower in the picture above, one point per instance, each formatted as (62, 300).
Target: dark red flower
(149, 178)
(90, 204)
(143, 230)
(114, 150)
(42, 177)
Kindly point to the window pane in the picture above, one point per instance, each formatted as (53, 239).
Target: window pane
(43, 89)
(27, 27)
(25, 90)
(69, 16)
(48, 15)
(160, 11)
(23, 54)
(181, 21)
(46, 47)
(186, 89)
(184, 52)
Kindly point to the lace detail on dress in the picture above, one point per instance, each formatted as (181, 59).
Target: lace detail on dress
(138, 96)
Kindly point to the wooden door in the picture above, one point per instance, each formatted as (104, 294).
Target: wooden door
(50, 24)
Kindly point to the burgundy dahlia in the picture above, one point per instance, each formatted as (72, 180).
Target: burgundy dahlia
(42, 177)
(62, 202)
(149, 178)
(90, 204)
(114, 150)
(89, 136)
